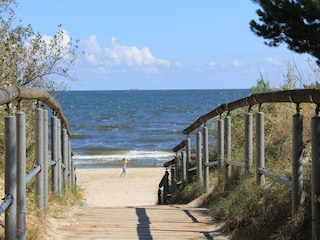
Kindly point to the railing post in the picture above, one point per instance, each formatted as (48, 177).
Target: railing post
(166, 187)
(54, 154)
(59, 163)
(73, 176)
(199, 158)
(220, 143)
(188, 155)
(184, 166)
(21, 175)
(39, 158)
(70, 163)
(315, 180)
(10, 177)
(45, 158)
(206, 157)
(227, 142)
(297, 161)
(177, 169)
(173, 176)
(65, 157)
(260, 147)
(248, 143)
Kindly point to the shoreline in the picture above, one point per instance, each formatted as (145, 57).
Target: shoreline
(113, 166)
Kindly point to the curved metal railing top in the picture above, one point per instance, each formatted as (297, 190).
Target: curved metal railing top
(11, 93)
(293, 96)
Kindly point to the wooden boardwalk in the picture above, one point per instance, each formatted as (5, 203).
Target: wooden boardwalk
(143, 223)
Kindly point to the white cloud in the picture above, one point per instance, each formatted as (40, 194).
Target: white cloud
(92, 45)
(253, 71)
(118, 55)
(273, 62)
(212, 64)
(179, 64)
(237, 63)
(198, 69)
(91, 58)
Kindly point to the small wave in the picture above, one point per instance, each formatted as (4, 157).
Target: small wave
(108, 127)
(138, 158)
(79, 136)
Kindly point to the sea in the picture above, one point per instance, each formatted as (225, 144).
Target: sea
(142, 125)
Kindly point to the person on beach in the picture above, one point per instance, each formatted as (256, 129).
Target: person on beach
(124, 166)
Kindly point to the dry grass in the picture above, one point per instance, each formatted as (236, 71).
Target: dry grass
(252, 212)
(37, 223)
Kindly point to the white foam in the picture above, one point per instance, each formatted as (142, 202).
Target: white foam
(147, 157)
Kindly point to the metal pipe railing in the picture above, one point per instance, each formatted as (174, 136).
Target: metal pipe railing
(33, 173)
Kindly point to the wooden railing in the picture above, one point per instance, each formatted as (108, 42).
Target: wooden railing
(59, 159)
(180, 165)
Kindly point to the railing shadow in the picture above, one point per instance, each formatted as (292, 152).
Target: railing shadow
(143, 227)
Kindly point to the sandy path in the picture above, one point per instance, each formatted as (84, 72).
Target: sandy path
(105, 188)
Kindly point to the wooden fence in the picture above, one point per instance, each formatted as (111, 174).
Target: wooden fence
(180, 165)
(59, 162)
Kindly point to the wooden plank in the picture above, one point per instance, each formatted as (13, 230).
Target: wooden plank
(146, 222)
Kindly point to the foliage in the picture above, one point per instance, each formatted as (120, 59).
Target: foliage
(187, 193)
(294, 22)
(262, 86)
(294, 77)
(28, 58)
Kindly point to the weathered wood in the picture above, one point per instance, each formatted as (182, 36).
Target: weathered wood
(44, 96)
(145, 222)
(290, 96)
(179, 146)
(11, 93)
(8, 94)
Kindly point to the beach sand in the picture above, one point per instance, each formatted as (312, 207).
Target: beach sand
(103, 187)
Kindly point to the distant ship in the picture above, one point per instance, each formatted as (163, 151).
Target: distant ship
(134, 89)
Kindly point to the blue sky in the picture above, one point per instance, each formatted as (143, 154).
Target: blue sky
(163, 44)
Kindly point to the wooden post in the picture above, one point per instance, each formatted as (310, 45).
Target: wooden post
(65, 157)
(206, 157)
(59, 159)
(248, 143)
(166, 188)
(184, 167)
(10, 177)
(227, 154)
(71, 167)
(297, 162)
(54, 154)
(188, 155)
(173, 182)
(39, 158)
(260, 147)
(45, 159)
(21, 176)
(199, 158)
(220, 149)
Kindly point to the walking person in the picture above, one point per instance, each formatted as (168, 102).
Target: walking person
(124, 166)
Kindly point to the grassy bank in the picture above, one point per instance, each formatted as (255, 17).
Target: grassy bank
(261, 212)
